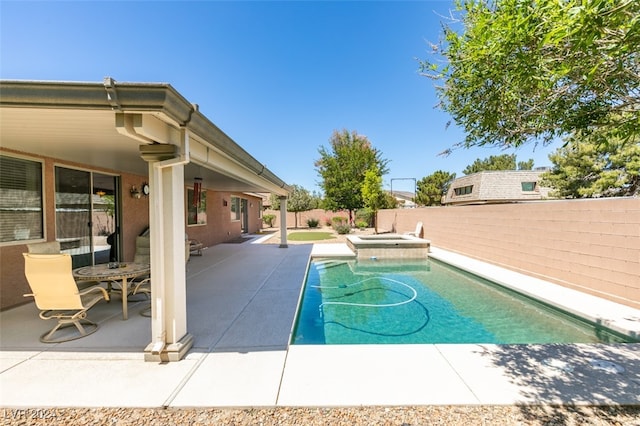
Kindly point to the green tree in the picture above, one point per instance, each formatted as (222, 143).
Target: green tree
(390, 201)
(536, 70)
(589, 169)
(525, 165)
(372, 193)
(432, 188)
(316, 200)
(275, 201)
(342, 168)
(299, 200)
(494, 162)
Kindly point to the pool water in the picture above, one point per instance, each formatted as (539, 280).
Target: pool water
(424, 301)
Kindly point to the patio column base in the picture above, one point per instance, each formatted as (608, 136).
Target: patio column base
(171, 353)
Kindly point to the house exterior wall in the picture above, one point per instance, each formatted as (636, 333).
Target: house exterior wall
(220, 227)
(588, 245)
(135, 219)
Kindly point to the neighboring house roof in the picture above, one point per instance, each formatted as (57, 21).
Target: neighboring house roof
(497, 187)
(104, 124)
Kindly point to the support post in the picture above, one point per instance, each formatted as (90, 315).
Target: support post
(283, 222)
(169, 338)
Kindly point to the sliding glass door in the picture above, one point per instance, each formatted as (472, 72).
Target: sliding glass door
(86, 215)
(244, 209)
(104, 218)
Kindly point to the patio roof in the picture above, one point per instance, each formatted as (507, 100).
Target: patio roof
(103, 125)
(147, 129)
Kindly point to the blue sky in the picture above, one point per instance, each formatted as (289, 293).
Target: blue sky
(277, 77)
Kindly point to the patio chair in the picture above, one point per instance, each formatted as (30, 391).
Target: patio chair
(195, 247)
(419, 232)
(143, 250)
(142, 284)
(51, 247)
(57, 296)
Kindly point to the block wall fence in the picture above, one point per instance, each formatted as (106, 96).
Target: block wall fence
(588, 245)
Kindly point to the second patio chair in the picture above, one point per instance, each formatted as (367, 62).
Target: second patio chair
(52, 247)
(419, 232)
(57, 295)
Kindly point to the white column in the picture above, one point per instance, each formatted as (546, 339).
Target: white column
(283, 222)
(170, 340)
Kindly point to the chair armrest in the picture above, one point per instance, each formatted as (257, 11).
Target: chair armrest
(146, 281)
(95, 289)
(83, 285)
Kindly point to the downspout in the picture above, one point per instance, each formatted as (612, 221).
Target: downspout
(124, 126)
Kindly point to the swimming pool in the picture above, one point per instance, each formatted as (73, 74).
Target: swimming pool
(424, 301)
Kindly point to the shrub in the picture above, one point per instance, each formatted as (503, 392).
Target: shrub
(312, 222)
(268, 219)
(342, 228)
(338, 220)
(364, 215)
(361, 224)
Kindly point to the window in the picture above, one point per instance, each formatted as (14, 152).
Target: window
(235, 208)
(463, 190)
(196, 208)
(21, 210)
(528, 186)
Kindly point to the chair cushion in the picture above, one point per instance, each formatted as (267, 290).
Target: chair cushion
(143, 250)
(52, 247)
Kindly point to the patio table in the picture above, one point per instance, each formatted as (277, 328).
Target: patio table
(122, 275)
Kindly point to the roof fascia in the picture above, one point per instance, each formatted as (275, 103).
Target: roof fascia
(159, 98)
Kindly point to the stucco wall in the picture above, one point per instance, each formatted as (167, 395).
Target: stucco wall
(588, 245)
(135, 219)
(220, 227)
(13, 284)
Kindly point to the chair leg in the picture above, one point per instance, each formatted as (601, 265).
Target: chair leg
(146, 312)
(62, 324)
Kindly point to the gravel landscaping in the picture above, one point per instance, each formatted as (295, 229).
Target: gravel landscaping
(402, 416)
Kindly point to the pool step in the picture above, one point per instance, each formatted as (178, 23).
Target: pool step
(329, 263)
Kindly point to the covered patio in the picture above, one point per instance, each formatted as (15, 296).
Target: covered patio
(231, 310)
(156, 148)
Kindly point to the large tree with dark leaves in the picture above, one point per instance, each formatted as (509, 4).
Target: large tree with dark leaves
(515, 71)
(432, 188)
(587, 169)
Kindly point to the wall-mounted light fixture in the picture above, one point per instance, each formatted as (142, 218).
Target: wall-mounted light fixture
(224, 203)
(135, 192)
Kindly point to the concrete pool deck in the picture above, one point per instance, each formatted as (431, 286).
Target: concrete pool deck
(241, 319)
